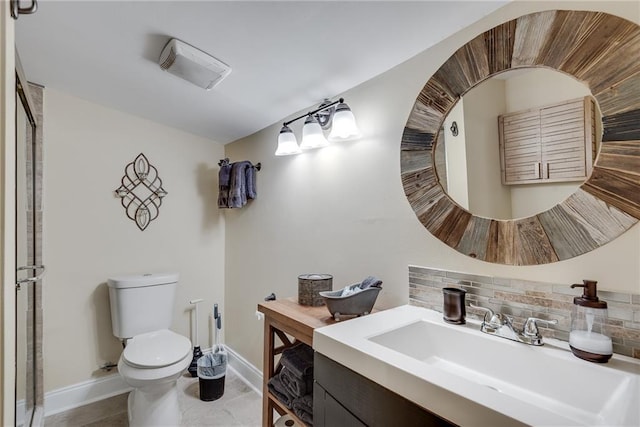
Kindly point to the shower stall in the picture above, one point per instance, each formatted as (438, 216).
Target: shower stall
(29, 269)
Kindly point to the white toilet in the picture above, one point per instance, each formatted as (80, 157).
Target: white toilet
(154, 357)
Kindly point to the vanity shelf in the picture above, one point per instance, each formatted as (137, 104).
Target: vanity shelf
(285, 318)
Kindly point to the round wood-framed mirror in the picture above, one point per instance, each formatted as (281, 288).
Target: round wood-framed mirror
(596, 48)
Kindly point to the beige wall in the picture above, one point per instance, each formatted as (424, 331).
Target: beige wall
(342, 210)
(88, 238)
(457, 184)
(487, 196)
(7, 216)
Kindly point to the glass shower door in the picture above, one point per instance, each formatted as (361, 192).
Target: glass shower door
(27, 273)
(22, 292)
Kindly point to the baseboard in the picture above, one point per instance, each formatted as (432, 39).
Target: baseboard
(245, 370)
(76, 395)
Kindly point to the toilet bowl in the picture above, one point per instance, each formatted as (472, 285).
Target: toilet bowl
(154, 357)
(151, 363)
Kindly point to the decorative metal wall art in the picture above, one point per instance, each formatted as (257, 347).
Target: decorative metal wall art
(141, 191)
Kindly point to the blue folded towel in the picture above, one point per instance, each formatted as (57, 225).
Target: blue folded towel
(242, 184)
(298, 360)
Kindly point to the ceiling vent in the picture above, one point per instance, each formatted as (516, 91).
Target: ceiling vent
(193, 65)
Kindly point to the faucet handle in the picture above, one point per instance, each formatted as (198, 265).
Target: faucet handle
(530, 328)
(495, 319)
(486, 310)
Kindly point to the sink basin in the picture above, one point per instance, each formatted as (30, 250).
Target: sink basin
(472, 378)
(580, 391)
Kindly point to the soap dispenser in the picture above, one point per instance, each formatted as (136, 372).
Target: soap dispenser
(589, 338)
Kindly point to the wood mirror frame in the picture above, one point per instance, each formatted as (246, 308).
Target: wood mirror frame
(596, 48)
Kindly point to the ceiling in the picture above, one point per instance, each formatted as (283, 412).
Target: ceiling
(286, 56)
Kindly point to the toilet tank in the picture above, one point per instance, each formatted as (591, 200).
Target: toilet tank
(141, 303)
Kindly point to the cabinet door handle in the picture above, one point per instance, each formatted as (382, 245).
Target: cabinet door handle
(547, 167)
(537, 170)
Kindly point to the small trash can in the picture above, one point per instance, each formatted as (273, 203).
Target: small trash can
(212, 368)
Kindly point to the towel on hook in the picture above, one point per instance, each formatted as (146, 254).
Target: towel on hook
(242, 184)
(224, 180)
(250, 176)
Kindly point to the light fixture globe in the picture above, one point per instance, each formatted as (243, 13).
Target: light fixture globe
(344, 125)
(312, 135)
(287, 143)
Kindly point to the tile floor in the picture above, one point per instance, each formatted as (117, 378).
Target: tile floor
(240, 405)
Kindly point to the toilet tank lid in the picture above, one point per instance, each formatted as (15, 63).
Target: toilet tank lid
(141, 280)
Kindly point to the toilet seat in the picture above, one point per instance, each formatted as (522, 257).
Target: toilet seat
(156, 349)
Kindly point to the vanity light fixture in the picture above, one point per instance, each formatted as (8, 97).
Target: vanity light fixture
(328, 115)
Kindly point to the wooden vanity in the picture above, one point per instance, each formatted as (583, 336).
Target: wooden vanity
(290, 322)
(341, 397)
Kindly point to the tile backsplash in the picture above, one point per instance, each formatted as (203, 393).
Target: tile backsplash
(522, 298)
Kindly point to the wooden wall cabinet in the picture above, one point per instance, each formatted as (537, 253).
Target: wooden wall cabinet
(554, 143)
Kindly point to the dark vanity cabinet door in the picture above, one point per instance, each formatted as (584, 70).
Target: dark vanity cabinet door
(329, 412)
(343, 398)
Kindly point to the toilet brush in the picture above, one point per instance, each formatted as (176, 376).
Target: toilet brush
(217, 324)
(197, 353)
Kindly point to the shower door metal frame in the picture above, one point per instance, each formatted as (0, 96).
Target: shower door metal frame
(32, 284)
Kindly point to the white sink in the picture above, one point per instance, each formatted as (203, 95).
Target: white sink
(413, 352)
(573, 388)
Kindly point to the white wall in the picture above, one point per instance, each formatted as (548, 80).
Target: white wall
(342, 210)
(88, 238)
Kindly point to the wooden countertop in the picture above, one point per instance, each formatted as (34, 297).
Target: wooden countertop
(299, 320)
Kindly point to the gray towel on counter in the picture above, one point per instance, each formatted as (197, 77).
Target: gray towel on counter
(281, 393)
(298, 359)
(296, 386)
(371, 282)
(224, 180)
(303, 408)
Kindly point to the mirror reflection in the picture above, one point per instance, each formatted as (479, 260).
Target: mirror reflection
(524, 141)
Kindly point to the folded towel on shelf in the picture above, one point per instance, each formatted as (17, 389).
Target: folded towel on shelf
(298, 359)
(224, 180)
(296, 386)
(281, 393)
(303, 408)
(371, 282)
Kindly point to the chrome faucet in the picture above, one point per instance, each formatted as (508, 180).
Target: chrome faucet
(501, 325)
